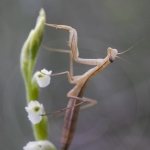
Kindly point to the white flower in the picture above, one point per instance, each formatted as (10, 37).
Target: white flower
(35, 110)
(39, 145)
(43, 77)
(32, 146)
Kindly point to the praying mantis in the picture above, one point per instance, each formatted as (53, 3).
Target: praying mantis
(76, 94)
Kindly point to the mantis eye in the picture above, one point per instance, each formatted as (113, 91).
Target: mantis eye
(112, 53)
(111, 59)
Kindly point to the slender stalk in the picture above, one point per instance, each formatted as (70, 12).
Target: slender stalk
(28, 59)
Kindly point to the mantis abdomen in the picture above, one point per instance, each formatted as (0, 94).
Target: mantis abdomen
(70, 122)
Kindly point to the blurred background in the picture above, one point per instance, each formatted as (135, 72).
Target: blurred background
(120, 120)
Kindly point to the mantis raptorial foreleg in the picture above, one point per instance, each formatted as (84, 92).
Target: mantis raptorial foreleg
(73, 40)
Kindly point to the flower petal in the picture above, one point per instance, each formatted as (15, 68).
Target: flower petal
(34, 109)
(43, 78)
(39, 145)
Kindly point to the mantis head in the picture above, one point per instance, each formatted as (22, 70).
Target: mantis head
(112, 53)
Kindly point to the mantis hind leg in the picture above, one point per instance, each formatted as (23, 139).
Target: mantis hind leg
(91, 102)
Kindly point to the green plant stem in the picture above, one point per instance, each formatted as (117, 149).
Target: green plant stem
(28, 58)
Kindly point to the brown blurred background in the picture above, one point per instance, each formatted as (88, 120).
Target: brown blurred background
(120, 120)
